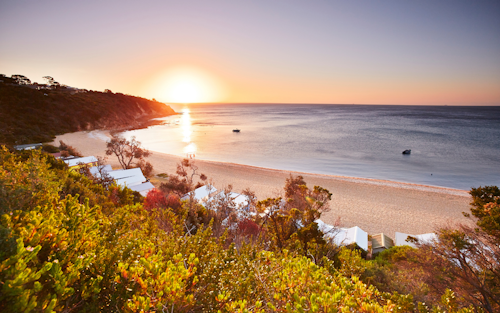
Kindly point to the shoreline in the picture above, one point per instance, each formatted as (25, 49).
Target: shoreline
(374, 181)
(374, 205)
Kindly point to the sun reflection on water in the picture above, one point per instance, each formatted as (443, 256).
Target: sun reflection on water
(190, 149)
(186, 127)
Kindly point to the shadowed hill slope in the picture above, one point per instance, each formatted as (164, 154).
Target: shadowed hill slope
(31, 115)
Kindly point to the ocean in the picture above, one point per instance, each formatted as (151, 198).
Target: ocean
(451, 146)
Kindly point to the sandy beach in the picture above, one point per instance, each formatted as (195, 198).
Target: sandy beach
(376, 206)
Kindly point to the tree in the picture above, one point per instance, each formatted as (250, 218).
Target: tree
(101, 177)
(51, 82)
(311, 203)
(183, 182)
(60, 253)
(67, 150)
(486, 207)
(466, 260)
(21, 79)
(130, 154)
(146, 168)
(155, 200)
(290, 222)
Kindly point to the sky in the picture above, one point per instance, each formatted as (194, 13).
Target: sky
(425, 52)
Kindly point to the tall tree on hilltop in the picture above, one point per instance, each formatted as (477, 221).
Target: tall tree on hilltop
(51, 81)
(21, 79)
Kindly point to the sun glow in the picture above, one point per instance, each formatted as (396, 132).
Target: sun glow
(187, 85)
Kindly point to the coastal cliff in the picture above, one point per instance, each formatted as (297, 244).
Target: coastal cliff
(36, 113)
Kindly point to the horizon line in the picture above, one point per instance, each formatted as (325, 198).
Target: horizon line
(302, 103)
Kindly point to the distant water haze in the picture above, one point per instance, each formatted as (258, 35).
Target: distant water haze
(455, 147)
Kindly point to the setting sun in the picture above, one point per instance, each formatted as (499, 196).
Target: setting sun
(187, 85)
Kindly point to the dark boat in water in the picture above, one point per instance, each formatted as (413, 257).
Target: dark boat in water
(236, 130)
(408, 151)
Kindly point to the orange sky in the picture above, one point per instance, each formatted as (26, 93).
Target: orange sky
(421, 52)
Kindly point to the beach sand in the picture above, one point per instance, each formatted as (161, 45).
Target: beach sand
(375, 206)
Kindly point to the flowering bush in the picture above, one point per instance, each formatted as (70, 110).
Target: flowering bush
(59, 253)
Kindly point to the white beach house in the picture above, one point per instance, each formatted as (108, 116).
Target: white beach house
(200, 194)
(74, 162)
(402, 239)
(344, 236)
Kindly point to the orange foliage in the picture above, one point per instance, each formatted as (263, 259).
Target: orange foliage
(155, 199)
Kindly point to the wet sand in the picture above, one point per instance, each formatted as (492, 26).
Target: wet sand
(376, 206)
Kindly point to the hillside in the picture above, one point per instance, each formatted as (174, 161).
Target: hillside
(69, 243)
(29, 114)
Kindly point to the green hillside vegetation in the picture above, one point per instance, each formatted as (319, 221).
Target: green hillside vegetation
(69, 244)
(30, 115)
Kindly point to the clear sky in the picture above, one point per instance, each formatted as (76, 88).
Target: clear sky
(310, 51)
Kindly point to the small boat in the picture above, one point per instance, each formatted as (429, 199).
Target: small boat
(236, 130)
(408, 151)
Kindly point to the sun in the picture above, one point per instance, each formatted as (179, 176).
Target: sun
(185, 90)
(188, 85)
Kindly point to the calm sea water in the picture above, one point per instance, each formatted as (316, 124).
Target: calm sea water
(456, 147)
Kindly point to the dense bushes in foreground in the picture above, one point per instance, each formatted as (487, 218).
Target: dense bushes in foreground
(60, 252)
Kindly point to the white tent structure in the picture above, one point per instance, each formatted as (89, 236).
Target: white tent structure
(344, 236)
(401, 239)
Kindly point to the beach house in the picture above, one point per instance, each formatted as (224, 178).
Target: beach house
(76, 163)
(380, 242)
(402, 239)
(29, 146)
(200, 194)
(344, 236)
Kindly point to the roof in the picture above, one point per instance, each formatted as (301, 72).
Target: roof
(241, 200)
(96, 170)
(76, 161)
(238, 199)
(381, 241)
(238, 202)
(29, 146)
(143, 188)
(128, 177)
(425, 238)
(345, 236)
(201, 193)
(118, 174)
